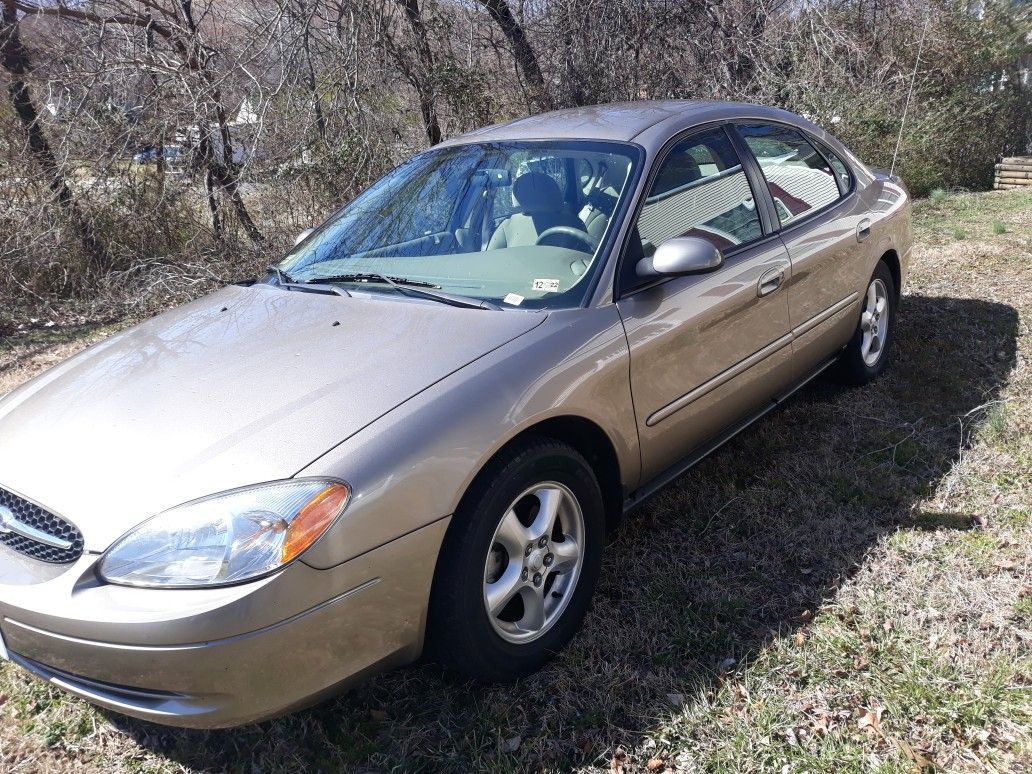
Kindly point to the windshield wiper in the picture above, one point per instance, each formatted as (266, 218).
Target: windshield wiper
(374, 277)
(408, 287)
(281, 275)
(285, 281)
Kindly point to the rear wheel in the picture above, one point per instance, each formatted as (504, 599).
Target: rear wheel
(519, 563)
(867, 353)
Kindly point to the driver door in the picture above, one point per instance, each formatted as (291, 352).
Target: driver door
(706, 350)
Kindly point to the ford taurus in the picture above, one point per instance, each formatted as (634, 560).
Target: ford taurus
(415, 432)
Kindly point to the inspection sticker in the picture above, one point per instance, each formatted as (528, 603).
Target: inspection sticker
(548, 285)
(513, 299)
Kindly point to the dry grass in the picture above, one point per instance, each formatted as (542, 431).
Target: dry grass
(844, 588)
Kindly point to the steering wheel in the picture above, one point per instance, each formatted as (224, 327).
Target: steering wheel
(578, 234)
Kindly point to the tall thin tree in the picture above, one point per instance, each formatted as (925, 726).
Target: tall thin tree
(522, 51)
(15, 59)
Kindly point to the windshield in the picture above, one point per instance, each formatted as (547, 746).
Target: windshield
(516, 223)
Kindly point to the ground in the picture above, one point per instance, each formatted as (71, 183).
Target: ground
(845, 587)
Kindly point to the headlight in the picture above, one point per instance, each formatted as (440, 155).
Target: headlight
(226, 538)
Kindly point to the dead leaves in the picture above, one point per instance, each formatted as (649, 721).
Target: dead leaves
(820, 720)
(870, 720)
(621, 763)
(1005, 564)
(512, 744)
(616, 764)
(918, 756)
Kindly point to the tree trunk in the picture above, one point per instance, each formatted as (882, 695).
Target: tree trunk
(14, 58)
(313, 85)
(223, 171)
(303, 16)
(161, 167)
(424, 82)
(522, 51)
(205, 155)
(574, 86)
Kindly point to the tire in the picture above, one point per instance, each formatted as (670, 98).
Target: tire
(484, 545)
(870, 349)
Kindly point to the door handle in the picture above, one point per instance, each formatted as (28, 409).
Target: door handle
(863, 229)
(770, 282)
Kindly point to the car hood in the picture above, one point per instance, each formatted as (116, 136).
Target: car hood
(243, 386)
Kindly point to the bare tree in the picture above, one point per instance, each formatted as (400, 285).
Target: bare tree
(422, 77)
(526, 59)
(177, 26)
(15, 60)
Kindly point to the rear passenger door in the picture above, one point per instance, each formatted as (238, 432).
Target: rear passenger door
(811, 189)
(707, 350)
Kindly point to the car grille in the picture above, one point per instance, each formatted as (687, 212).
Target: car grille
(37, 518)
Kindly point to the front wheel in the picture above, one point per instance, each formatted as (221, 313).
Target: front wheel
(519, 563)
(867, 353)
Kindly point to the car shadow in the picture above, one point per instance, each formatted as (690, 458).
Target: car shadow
(739, 552)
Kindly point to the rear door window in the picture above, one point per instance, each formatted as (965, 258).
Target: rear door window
(799, 179)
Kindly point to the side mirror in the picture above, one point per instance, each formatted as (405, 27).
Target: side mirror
(303, 236)
(681, 255)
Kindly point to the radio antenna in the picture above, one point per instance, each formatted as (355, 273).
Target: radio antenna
(910, 94)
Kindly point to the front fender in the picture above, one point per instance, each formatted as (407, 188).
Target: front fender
(412, 466)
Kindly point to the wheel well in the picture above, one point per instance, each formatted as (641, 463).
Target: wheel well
(594, 445)
(891, 260)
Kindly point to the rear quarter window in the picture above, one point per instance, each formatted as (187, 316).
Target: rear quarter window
(843, 175)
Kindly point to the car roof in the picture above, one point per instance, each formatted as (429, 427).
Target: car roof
(647, 122)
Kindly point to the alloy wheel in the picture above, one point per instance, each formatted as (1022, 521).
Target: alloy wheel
(874, 323)
(534, 562)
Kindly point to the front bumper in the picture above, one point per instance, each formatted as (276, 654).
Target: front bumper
(211, 658)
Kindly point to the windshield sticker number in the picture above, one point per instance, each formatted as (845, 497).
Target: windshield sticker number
(547, 285)
(513, 299)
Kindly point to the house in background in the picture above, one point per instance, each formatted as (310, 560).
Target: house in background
(244, 131)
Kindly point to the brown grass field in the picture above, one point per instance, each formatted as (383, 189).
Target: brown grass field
(846, 587)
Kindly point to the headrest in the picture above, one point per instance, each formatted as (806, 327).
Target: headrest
(678, 169)
(614, 176)
(536, 191)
